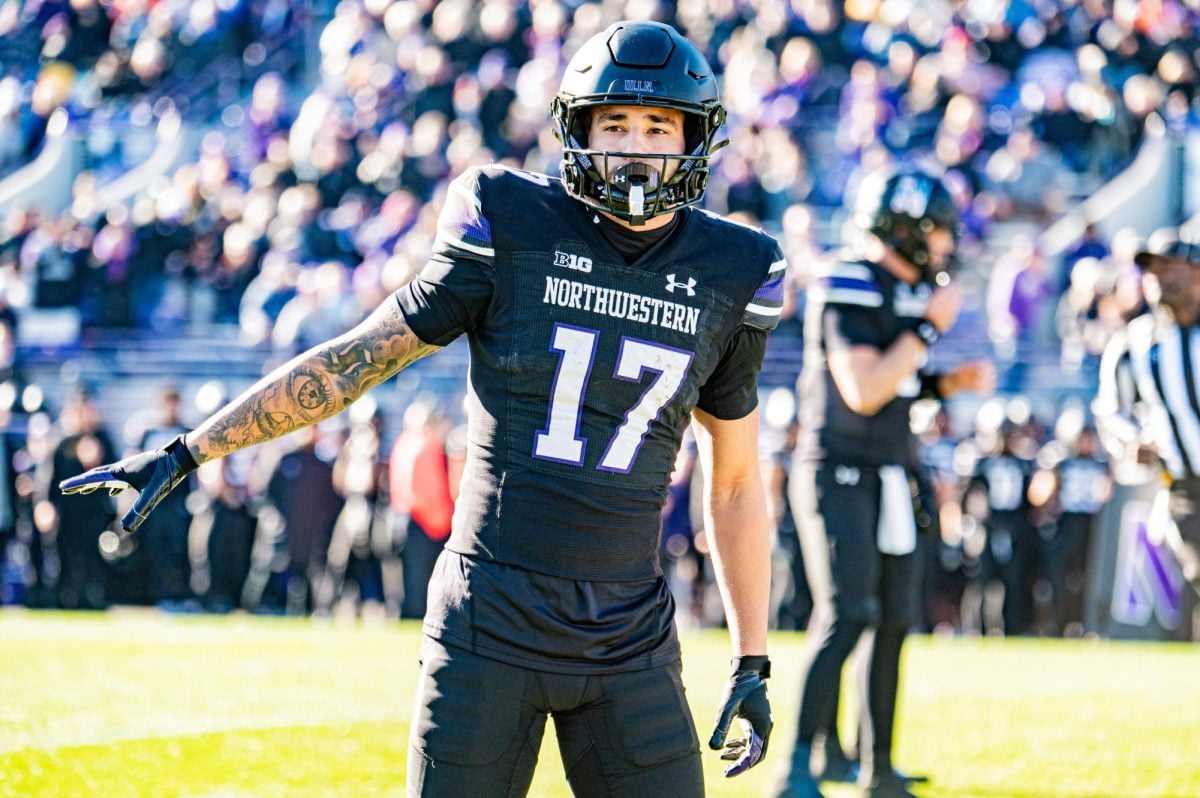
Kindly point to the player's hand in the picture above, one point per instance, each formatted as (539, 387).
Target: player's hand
(154, 474)
(745, 699)
(942, 309)
(978, 376)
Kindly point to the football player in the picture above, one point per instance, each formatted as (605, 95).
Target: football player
(604, 314)
(868, 327)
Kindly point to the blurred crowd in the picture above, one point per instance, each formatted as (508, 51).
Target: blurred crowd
(335, 517)
(115, 65)
(317, 186)
(328, 135)
(348, 517)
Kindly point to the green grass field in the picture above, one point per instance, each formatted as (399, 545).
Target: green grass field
(142, 704)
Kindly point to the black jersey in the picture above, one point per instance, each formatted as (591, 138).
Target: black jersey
(1005, 478)
(857, 303)
(584, 372)
(1082, 485)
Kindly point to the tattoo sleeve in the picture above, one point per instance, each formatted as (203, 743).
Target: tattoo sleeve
(313, 386)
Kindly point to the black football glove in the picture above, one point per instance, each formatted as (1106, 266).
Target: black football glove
(745, 699)
(154, 474)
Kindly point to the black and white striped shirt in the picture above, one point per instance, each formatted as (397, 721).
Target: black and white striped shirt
(1148, 382)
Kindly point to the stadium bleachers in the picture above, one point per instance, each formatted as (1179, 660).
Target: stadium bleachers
(318, 137)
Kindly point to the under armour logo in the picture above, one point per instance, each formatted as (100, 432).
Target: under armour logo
(689, 286)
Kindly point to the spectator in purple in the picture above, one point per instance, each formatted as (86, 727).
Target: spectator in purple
(1019, 295)
(1089, 245)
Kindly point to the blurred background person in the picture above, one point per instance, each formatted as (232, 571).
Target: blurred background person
(997, 498)
(77, 526)
(164, 539)
(792, 599)
(221, 535)
(1151, 368)
(1020, 295)
(868, 334)
(295, 523)
(361, 536)
(13, 553)
(683, 562)
(943, 578)
(35, 529)
(422, 505)
(1071, 486)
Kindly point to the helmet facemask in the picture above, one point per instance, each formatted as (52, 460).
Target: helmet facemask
(645, 64)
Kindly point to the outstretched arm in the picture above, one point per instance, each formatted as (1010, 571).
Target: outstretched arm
(309, 388)
(312, 386)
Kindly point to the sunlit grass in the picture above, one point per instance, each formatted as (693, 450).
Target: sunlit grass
(142, 704)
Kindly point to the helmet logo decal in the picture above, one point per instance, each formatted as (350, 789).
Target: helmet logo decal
(639, 86)
(908, 198)
(689, 286)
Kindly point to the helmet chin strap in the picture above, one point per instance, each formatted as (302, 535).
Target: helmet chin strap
(636, 178)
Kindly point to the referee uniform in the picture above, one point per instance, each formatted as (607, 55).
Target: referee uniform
(1149, 389)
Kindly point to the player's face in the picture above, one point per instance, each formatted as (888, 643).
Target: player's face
(940, 243)
(1176, 281)
(637, 129)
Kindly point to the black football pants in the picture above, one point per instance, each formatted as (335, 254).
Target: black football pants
(478, 723)
(858, 593)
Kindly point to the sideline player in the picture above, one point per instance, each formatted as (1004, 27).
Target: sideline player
(868, 328)
(604, 314)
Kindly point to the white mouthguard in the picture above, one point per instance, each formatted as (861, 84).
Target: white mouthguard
(637, 201)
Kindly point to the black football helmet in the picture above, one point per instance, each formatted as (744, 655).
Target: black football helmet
(901, 208)
(637, 63)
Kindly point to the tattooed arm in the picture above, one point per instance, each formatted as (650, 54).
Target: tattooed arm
(313, 386)
(307, 389)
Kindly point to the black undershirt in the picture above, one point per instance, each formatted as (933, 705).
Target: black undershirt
(632, 244)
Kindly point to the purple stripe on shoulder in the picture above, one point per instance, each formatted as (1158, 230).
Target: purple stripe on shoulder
(463, 220)
(772, 290)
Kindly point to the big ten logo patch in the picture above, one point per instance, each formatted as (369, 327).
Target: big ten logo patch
(575, 262)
